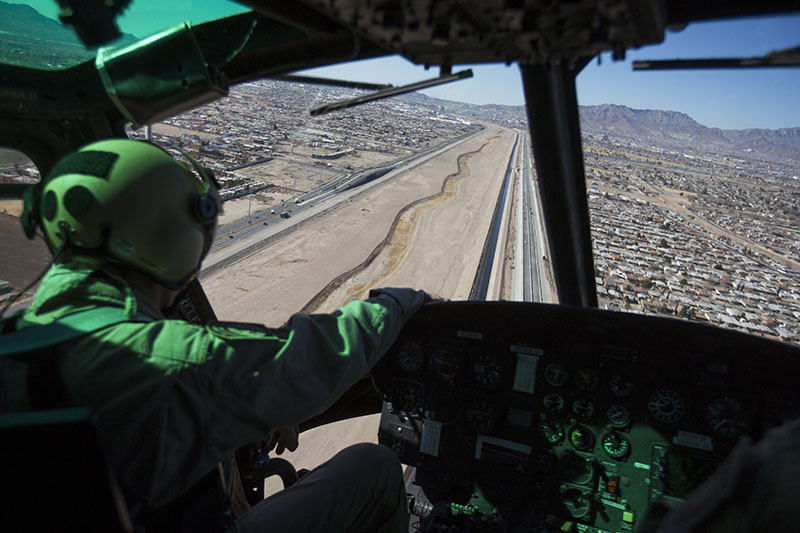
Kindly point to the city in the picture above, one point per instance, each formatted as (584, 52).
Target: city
(707, 238)
(679, 232)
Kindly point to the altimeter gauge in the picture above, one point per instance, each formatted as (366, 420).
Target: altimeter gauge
(666, 406)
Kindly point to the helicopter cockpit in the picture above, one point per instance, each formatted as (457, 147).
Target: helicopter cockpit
(511, 416)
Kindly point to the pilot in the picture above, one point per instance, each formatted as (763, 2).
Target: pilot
(129, 226)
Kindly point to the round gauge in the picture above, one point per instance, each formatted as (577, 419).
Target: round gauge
(411, 357)
(616, 446)
(445, 364)
(583, 408)
(481, 415)
(666, 406)
(487, 370)
(586, 379)
(553, 402)
(618, 415)
(407, 397)
(727, 417)
(581, 437)
(578, 502)
(556, 374)
(551, 430)
(577, 469)
(619, 386)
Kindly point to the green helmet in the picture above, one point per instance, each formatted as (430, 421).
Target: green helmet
(132, 203)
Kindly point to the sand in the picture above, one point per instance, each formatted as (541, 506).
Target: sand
(435, 245)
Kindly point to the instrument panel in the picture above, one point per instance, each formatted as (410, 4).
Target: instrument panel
(545, 417)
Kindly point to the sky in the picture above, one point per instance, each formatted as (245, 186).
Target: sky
(727, 99)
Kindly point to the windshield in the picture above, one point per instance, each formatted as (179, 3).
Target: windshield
(693, 182)
(32, 35)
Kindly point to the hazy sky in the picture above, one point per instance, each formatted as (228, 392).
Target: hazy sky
(729, 99)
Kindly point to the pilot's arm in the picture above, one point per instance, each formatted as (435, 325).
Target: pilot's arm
(208, 390)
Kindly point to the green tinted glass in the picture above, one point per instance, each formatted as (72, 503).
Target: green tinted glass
(32, 36)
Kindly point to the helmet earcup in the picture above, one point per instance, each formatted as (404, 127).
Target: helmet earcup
(205, 209)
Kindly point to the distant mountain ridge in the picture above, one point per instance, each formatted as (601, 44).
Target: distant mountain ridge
(680, 128)
(665, 127)
(23, 19)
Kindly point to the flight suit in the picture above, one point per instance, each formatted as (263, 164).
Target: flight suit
(174, 398)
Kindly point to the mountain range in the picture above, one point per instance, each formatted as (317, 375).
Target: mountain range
(669, 128)
(673, 127)
(23, 20)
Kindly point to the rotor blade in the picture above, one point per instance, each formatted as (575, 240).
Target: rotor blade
(781, 58)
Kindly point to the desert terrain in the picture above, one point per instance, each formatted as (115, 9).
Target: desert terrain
(424, 228)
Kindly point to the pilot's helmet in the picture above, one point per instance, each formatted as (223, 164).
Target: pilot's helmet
(132, 203)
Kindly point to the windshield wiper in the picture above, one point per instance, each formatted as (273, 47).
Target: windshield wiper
(334, 82)
(393, 91)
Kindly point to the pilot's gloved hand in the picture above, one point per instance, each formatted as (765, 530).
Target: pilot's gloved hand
(283, 438)
(409, 299)
(433, 297)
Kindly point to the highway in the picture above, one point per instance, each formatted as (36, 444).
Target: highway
(242, 237)
(530, 282)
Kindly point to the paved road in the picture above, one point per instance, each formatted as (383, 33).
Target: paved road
(531, 283)
(251, 233)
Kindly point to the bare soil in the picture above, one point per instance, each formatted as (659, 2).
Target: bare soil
(445, 205)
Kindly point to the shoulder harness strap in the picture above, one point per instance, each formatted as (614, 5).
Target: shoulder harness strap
(40, 347)
(65, 329)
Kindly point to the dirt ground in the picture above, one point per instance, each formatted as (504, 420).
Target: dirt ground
(435, 246)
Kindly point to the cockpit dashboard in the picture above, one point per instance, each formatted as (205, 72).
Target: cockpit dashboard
(535, 417)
